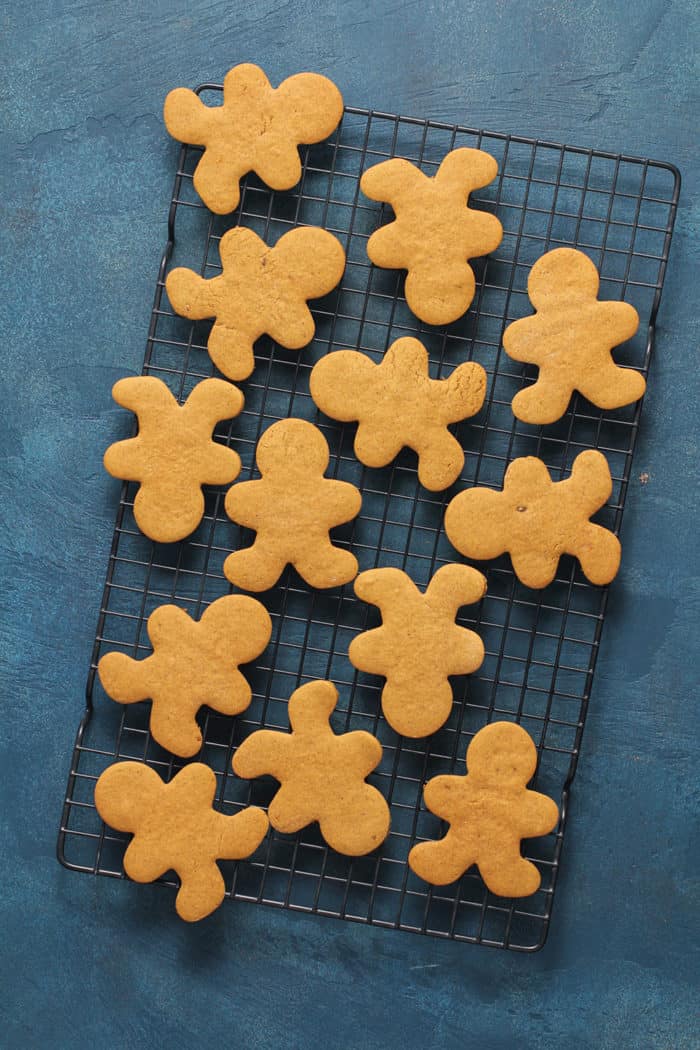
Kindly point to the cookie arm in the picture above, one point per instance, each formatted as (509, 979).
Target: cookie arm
(536, 814)
(187, 118)
(391, 179)
(453, 586)
(124, 679)
(191, 295)
(367, 651)
(139, 392)
(344, 499)
(213, 400)
(465, 391)
(464, 170)
(263, 753)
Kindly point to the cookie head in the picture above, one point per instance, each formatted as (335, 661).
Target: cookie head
(503, 753)
(563, 273)
(298, 446)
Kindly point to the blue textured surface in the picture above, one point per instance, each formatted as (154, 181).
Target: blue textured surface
(86, 174)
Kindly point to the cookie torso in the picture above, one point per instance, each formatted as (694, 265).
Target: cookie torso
(261, 290)
(193, 663)
(292, 508)
(173, 454)
(537, 520)
(434, 232)
(322, 775)
(397, 404)
(175, 826)
(419, 644)
(489, 811)
(258, 128)
(571, 338)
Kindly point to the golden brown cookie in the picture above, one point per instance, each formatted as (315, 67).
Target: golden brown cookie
(174, 826)
(435, 231)
(398, 405)
(536, 520)
(419, 644)
(292, 508)
(490, 810)
(322, 776)
(258, 128)
(193, 663)
(261, 290)
(570, 338)
(173, 454)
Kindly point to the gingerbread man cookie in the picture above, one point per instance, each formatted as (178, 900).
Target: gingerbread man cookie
(261, 290)
(397, 404)
(173, 454)
(193, 663)
(322, 776)
(258, 128)
(419, 644)
(292, 508)
(174, 826)
(570, 338)
(490, 810)
(435, 231)
(536, 520)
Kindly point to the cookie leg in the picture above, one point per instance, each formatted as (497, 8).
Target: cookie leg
(440, 863)
(255, 568)
(290, 812)
(201, 892)
(231, 351)
(613, 387)
(359, 825)
(216, 181)
(545, 401)
(535, 568)
(509, 876)
(324, 565)
(174, 727)
(440, 463)
(599, 554)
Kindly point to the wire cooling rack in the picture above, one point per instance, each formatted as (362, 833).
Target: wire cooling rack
(541, 646)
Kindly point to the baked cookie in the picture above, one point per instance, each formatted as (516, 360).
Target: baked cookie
(536, 520)
(261, 290)
(570, 338)
(419, 644)
(398, 405)
(435, 232)
(193, 663)
(292, 508)
(174, 826)
(322, 775)
(258, 128)
(173, 454)
(490, 810)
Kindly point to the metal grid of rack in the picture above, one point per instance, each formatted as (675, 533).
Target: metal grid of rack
(541, 646)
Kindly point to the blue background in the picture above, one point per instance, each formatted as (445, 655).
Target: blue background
(86, 173)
